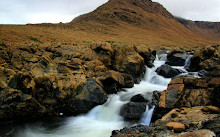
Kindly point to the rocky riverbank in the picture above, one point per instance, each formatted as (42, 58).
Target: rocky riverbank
(69, 79)
(189, 106)
(38, 81)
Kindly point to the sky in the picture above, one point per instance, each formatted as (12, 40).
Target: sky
(55, 11)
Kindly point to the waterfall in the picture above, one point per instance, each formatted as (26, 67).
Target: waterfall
(103, 119)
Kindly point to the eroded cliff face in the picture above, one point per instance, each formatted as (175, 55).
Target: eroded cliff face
(42, 80)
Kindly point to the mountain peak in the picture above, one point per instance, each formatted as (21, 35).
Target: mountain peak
(129, 11)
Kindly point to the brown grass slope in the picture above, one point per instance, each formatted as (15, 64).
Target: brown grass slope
(208, 30)
(126, 21)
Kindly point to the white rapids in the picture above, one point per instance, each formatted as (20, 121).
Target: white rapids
(103, 119)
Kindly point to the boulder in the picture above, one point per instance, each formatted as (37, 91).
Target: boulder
(133, 64)
(14, 104)
(127, 60)
(133, 110)
(176, 126)
(138, 98)
(177, 58)
(213, 124)
(112, 81)
(167, 71)
(186, 92)
(136, 131)
(89, 96)
(198, 133)
(149, 55)
(205, 59)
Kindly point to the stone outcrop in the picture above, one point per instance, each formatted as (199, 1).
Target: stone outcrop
(112, 81)
(46, 80)
(205, 59)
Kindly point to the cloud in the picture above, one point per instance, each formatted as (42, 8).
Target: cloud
(201, 10)
(38, 11)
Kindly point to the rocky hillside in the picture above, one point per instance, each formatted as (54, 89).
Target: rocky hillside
(208, 30)
(122, 21)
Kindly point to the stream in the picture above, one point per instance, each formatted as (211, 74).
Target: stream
(103, 119)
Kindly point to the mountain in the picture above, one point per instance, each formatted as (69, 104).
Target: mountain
(140, 21)
(123, 21)
(208, 30)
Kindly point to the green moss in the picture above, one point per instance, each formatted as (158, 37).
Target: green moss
(34, 39)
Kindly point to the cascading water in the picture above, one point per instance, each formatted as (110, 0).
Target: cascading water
(103, 119)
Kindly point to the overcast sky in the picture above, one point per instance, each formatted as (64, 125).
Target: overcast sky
(55, 11)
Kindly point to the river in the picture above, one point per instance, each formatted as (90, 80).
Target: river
(103, 119)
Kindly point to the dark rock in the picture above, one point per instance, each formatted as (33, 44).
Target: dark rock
(138, 131)
(14, 104)
(176, 58)
(138, 98)
(133, 110)
(90, 96)
(202, 73)
(213, 125)
(156, 97)
(167, 71)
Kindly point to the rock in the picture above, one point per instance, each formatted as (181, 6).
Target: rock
(213, 124)
(105, 53)
(177, 127)
(205, 59)
(136, 131)
(89, 96)
(211, 109)
(138, 98)
(176, 58)
(167, 71)
(192, 118)
(133, 110)
(112, 81)
(14, 104)
(133, 64)
(149, 55)
(202, 73)
(185, 92)
(198, 133)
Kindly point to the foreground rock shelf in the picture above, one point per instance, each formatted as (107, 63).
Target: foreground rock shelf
(38, 81)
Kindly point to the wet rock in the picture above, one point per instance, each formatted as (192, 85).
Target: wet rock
(136, 131)
(88, 97)
(167, 71)
(133, 110)
(177, 58)
(199, 133)
(138, 98)
(177, 127)
(202, 73)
